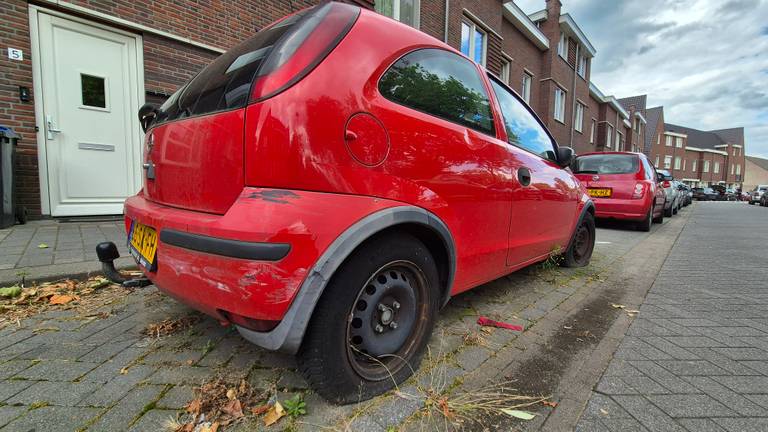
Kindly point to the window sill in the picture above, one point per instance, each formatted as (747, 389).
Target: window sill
(562, 122)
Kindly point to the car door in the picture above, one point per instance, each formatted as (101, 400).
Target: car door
(656, 190)
(545, 196)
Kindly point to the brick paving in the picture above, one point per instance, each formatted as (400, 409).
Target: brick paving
(101, 373)
(65, 242)
(696, 357)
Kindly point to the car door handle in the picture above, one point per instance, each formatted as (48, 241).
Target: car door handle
(524, 176)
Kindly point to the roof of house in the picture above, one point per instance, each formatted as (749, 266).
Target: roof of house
(637, 101)
(697, 138)
(762, 163)
(653, 116)
(732, 135)
(519, 19)
(571, 29)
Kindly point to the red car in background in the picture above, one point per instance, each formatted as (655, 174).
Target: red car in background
(623, 186)
(327, 192)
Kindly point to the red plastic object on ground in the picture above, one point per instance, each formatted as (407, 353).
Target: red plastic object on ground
(487, 322)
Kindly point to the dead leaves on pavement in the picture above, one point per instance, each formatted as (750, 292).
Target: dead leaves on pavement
(170, 326)
(219, 403)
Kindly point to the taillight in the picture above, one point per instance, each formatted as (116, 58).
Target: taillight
(639, 191)
(666, 184)
(296, 54)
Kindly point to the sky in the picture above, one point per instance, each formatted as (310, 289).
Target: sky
(705, 61)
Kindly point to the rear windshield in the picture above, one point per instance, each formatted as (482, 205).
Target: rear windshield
(606, 164)
(226, 83)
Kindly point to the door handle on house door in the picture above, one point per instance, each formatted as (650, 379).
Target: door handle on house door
(49, 129)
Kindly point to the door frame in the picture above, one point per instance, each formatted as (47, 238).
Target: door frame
(37, 85)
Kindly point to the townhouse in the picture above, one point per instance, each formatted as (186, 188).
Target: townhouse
(756, 172)
(114, 55)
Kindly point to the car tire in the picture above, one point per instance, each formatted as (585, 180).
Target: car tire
(645, 225)
(751, 203)
(660, 218)
(351, 351)
(668, 211)
(582, 244)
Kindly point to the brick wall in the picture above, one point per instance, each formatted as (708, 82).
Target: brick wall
(526, 58)
(487, 11)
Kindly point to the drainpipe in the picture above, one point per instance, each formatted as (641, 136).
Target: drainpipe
(445, 30)
(573, 91)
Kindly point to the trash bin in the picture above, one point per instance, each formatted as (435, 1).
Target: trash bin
(10, 212)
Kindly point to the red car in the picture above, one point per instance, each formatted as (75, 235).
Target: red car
(327, 193)
(623, 186)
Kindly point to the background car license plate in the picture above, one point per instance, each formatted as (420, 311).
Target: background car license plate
(142, 244)
(599, 193)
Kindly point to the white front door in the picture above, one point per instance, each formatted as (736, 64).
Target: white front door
(90, 85)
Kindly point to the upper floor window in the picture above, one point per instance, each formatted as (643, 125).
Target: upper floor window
(526, 89)
(658, 139)
(668, 140)
(667, 162)
(405, 11)
(442, 84)
(608, 136)
(705, 168)
(716, 169)
(592, 133)
(732, 167)
(694, 165)
(656, 162)
(559, 105)
(562, 46)
(581, 68)
(678, 142)
(684, 161)
(738, 169)
(619, 140)
(678, 161)
(473, 41)
(523, 129)
(578, 121)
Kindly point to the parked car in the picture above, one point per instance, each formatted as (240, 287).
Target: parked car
(722, 192)
(327, 193)
(705, 194)
(672, 194)
(731, 194)
(686, 193)
(764, 200)
(757, 193)
(623, 186)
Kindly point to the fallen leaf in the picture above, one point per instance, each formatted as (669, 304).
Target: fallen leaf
(10, 291)
(259, 410)
(231, 394)
(42, 246)
(633, 311)
(58, 299)
(233, 408)
(194, 406)
(567, 327)
(618, 306)
(275, 413)
(603, 412)
(549, 403)
(123, 371)
(522, 415)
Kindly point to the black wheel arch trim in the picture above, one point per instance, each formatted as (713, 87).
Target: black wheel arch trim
(288, 335)
(587, 206)
(225, 247)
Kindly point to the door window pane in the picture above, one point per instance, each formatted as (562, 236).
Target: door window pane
(93, 91)
(442, 84)
(523, 129)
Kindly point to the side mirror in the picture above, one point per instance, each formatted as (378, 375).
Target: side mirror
(565, 156)
(147, 114)
(659, 177)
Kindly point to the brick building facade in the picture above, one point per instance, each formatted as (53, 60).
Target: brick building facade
(544, 56)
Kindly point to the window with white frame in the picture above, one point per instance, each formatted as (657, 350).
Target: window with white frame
(667, 162)
(694, 165)
(582, 67)
(562, 46)
(592, 133)
(608, 136)
(668, 140)
(559, 105)
(716, 168)
(473, 41)
(738, 169)
(678, 162)
(405, 11)
(678, 142)
(705, 168)
(684, 161)
(504, 72)
(732, 169)
(578, 121)
(526, 89)
(656, 162)
(658, 139)
(619, 140)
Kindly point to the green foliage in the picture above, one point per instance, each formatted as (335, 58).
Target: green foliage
(295, 406)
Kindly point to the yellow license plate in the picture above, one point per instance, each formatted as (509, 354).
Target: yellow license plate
(599, 193)
(142, 244)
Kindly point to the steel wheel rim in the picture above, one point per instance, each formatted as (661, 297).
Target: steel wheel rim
(386, 320)
(581, 243)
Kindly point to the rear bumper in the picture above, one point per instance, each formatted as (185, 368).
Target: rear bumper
(625, 209)
(252, 260)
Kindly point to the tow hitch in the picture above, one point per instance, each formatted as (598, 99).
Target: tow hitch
(107, 253)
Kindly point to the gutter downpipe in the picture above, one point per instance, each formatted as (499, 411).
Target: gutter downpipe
(573, 90)
(445, 30)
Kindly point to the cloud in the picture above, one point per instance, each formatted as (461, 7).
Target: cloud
(706, 61)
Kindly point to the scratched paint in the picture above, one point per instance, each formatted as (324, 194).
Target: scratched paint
(273, 195)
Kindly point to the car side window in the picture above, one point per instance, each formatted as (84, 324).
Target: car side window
(650, 172)
(523, 129)
(442, 84)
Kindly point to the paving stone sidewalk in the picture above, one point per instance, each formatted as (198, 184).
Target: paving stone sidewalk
(69, 370)
(69, 247)
(696, 357)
